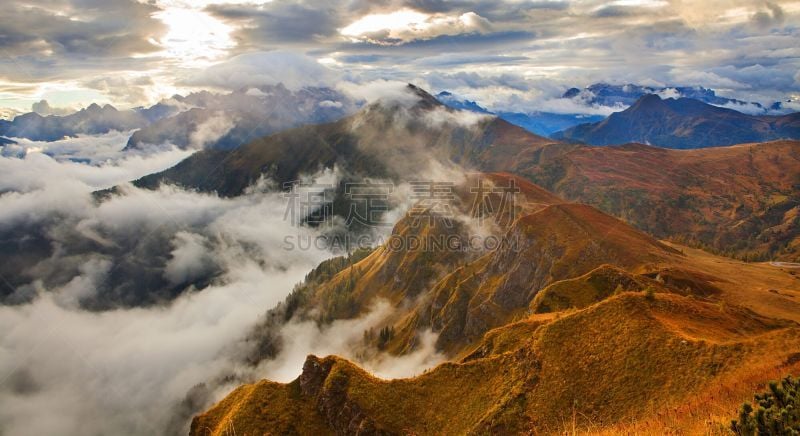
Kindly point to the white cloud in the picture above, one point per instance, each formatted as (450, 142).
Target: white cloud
(344, 338)
(42, 107)
(330, 103)
(211, 130)
(747, 108)
(440, 116)
(93, 162)
(705, 79)
(572, 106)
(407, 25)
(379, 90)
(189, 259)
(669, 93)
(265, 68)
(124, 371)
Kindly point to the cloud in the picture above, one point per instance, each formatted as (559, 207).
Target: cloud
(407, 25)
(705, 78)
(265, 68)
(572, 106)
(747, 108)
(330, 103)
(125, 371)
(441, 116)
(122, 372)
(93, 161)
(543, 43)
(133, 90)
(211, 130)
(189, 259)
(79, 28)
(771, 17)
(42, 107)
(345, 338)
(128, 370)
(9, 113)
(280, 23)
(379, 90)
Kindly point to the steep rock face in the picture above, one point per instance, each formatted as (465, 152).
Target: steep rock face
(683, 123)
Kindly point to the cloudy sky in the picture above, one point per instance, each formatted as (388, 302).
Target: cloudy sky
(129, 52)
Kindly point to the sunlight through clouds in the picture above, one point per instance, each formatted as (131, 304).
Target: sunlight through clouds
(194, 38)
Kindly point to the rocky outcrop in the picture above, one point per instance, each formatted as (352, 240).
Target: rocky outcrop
(328, 388)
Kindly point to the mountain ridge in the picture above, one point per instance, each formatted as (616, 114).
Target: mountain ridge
(682, 123)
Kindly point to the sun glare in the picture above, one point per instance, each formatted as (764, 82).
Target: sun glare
(194, 38)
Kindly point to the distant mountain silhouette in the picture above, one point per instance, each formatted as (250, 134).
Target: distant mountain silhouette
(683, 123)
(93, 120)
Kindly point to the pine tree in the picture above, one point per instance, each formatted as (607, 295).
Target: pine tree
(777, 413)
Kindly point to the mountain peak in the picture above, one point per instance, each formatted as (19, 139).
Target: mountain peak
(426, 99)
(648, 101)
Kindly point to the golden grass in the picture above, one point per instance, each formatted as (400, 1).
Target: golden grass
(624, 365)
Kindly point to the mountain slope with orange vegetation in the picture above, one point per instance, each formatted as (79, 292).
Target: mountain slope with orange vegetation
(742, 200)
(461, 294)
(624, 359)
(583, 321)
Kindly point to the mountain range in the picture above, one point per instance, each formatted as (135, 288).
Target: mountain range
(683, 123)
(604, 94)
(583, 320)
(226, 121)
(198, 120)
(612, 98)
(92, 120)
(634, 288)
(752, 190)
(212, 120)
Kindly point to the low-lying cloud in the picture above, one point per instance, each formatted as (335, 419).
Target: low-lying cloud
(90, 347)
(344, 338)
